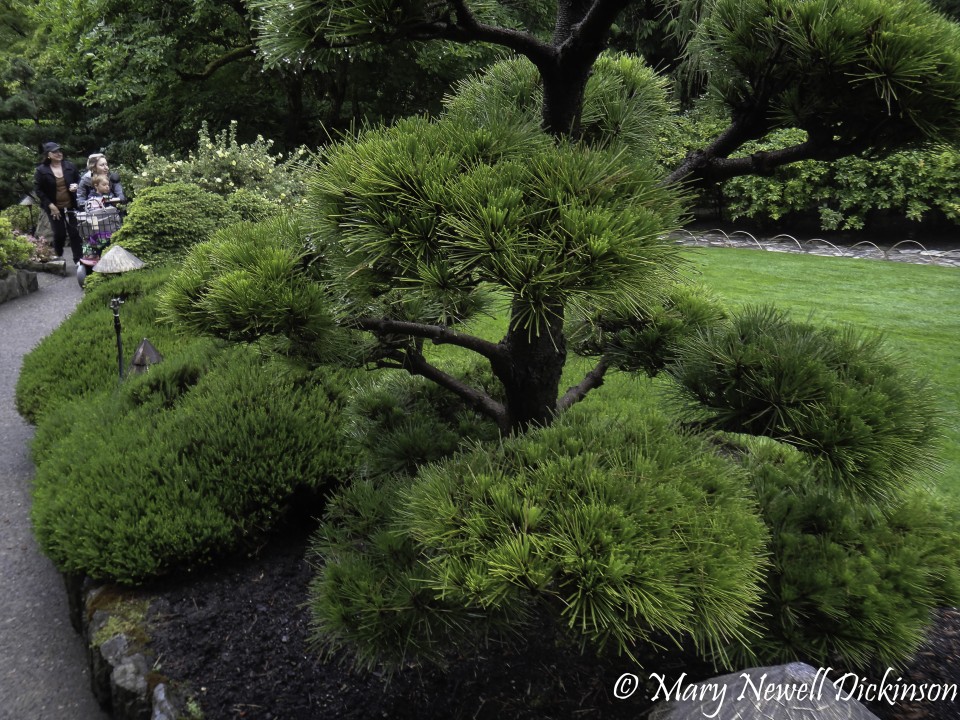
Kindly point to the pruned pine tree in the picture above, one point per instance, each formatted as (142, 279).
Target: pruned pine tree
(569, 225)
(541, 187)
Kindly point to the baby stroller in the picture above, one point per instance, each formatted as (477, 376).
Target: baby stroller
(96, 226)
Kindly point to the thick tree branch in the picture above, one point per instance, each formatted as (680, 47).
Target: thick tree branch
(596, 22)
(705, 168)
(415, 364)
(232, 56)
(463, 28)
(467, 29)
(591, 381)
(436, 333)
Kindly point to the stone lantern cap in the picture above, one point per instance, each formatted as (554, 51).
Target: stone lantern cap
(118, 260)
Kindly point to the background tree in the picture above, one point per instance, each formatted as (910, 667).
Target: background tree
(34, 107)
(151, 73)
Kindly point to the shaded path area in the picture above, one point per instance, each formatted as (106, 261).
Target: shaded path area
(43, 664)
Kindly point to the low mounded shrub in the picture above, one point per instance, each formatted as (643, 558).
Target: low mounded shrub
(166, 221)
(13, 248)
(80, 356)
(21, 218)
(255, 282)
(175, 471)
(252, 207)
(611, 532)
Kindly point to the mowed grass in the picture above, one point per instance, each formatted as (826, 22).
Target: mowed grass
(916, 307)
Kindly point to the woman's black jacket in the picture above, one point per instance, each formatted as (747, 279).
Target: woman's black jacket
(45, 183)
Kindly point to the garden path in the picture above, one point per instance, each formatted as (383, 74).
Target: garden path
(43, 664)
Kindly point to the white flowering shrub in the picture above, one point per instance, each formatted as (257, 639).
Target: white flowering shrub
(221, 165)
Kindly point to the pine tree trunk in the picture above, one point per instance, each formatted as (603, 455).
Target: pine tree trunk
(563, 90)
(565, 78)
(531, 378)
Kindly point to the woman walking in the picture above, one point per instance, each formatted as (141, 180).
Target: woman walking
(55, 184)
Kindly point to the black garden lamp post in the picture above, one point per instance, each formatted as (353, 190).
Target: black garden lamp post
(115, 306)
(29, 202)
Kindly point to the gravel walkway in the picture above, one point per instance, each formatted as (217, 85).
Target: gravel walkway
(43, 664)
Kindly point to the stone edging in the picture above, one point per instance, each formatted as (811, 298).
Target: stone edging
(110, 619)
(23, 280)
(16, 283)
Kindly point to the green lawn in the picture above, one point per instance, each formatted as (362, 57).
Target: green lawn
(917, 307)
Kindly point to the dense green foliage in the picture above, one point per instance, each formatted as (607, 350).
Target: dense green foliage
(13, 248)
(86, 343)
(20, 216)
(548, 224)
(852, 74)
(613, 530)
(222, 165)
(400, 423)
(195, 458)
(171, 478)
(168, 220)
(647, 340)
(846, 581)
(260, 271)
(626, 104)
(912, 184)
(838, 395)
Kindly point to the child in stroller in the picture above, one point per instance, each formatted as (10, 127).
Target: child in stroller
(97, 223)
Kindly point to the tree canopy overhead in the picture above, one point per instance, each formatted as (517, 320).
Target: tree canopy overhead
(858, 75)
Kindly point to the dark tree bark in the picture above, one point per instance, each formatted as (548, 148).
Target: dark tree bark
(579, 36)
(531, 371)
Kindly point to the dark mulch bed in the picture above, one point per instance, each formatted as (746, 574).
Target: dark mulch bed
(236, 639)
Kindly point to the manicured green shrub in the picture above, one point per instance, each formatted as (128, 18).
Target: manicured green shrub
(141, 486)
(401, 423)
(13, 248)
(166, 221)
(250, 206)
(612, 531)
(838, 395)
(80, 356)
(255, 282)
(846, 582)
(158, 389)
(646, 341)
(93, 280)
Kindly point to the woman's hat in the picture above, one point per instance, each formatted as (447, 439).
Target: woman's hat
(51, 147)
